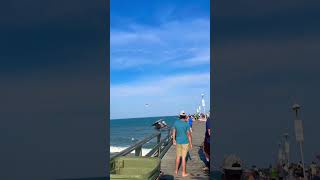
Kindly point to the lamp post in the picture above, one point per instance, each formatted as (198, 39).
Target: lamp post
(286, 148)
(299, 133)
(203, 104)
(280, 154)
(296, 108)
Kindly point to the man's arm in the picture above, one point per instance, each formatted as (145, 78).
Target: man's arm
(190, 138)
(209, 131)
(174, 136)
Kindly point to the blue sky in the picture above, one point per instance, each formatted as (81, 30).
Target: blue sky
(160, 55)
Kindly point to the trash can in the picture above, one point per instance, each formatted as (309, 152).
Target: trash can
(134, 168)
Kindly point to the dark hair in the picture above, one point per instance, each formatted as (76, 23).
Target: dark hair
(182, 117)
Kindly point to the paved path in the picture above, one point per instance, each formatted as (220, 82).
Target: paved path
(195, 162)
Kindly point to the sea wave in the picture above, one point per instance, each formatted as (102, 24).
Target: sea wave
(116, 149)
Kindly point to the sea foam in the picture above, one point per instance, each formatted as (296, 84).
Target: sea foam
(116, 149)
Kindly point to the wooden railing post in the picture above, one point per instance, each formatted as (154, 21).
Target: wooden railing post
(138, 151)
(158, 141)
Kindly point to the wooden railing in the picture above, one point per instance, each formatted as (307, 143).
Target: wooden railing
(162, 147)
(158, 150)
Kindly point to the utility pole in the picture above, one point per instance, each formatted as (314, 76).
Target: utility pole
(299, 133)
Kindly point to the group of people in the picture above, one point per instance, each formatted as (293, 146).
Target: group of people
(295, 171)
(182, 139)
(291, 172)
(233, 170)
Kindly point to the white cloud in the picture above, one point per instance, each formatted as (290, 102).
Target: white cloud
(165, 95)
(130, 62)
(187, 31)
(169, 43)
(198, 57)
(158, 86)
(124, 38)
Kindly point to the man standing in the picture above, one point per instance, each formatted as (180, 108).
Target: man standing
(190, 122)
(182, 139)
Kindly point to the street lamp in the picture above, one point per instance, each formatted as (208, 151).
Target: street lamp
(299, 132)
(286, 148)
(280, 154)
(296, 108)
(203, 104)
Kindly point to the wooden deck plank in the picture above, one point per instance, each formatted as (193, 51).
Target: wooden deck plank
(195, 161)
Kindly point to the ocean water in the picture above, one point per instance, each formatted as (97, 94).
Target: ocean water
(126, 132)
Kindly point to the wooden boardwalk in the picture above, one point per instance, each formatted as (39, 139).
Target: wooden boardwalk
(195, 161)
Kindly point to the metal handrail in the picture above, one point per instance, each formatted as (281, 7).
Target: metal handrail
(160, 149)
(136, 146)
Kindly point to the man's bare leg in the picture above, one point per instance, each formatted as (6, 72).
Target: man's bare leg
(184, 167)
(177, 164)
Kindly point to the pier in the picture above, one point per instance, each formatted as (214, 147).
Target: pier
(166, 151)
(195, 162)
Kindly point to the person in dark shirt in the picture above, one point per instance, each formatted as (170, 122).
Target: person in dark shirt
(206, 143)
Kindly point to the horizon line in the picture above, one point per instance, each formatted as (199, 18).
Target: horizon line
(143, 117)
